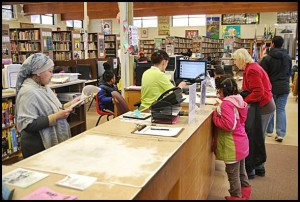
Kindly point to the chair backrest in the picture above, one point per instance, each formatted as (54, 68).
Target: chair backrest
(120, 103)
(99, 111)
(89, 90)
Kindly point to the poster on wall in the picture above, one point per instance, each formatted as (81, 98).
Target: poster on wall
(133, 40)
(158, 44)
(231, 31)
(191, 33)
(213, 27)
(163, 25)
(106, 27)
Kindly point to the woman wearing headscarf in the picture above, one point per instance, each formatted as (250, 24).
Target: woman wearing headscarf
(40, 116)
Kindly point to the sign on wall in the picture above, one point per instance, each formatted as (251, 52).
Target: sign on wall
(163, 23)
(232, 30)
(213, 27)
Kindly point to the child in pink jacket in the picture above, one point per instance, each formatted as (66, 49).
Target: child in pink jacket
(230, 141)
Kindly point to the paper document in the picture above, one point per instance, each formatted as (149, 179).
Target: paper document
(160, 131)
(82, 99)
(133, 115)
(44, 193)
(23, 178)
(80, 182)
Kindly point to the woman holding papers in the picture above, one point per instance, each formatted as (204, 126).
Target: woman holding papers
(40, 117)
(154, 80)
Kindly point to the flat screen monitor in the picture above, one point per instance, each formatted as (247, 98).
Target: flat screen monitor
(85, 70)
(192, 69)
(141, 67)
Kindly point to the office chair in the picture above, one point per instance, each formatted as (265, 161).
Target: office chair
(120, 102)
(100, 112)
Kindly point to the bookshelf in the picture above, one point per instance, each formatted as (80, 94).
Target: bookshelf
(95, 45)
(213, 48)
(180, 44)
(147, 46)
(246, 43)
(27, 41)
(66, 45)
(110, 45)
(6, 53)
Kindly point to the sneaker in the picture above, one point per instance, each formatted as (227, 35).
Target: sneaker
(260, 172)
(269, 134)
(278, 138)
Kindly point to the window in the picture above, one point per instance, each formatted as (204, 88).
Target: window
(46, 19)
(75, 23)
(7, 12)
(188, 20)
(145, 21)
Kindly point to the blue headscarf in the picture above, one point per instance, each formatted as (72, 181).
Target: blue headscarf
(34, 64)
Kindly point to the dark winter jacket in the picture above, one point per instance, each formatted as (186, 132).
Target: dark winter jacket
(278, 65)
(105, 97)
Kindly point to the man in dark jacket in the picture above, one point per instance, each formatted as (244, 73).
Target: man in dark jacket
(278, 65)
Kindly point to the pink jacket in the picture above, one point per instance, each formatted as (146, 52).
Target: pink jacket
(231, 141)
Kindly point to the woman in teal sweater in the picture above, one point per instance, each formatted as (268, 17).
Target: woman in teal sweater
(154, 80)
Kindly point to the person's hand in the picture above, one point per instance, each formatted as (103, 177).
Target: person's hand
(75, 100)
(63, 114)
(182, 84)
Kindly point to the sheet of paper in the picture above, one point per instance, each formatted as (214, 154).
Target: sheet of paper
(44, 193)
(160, 131)
(23, 178)
(74, 181)
(82, 99)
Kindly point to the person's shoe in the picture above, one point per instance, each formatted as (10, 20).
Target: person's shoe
(251, 175)
(269, 134)
(246, 192)
(234, 198)
(278, 138)
(260, 172)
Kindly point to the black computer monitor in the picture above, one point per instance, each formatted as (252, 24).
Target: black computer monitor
(85, 70)
(192, 70)
(141, 67)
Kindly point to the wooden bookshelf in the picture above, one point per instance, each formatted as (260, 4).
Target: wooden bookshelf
(147, 46)
(95, 45)
(6, 53)
(66, 45)
(212, 47)
(110, 45)
(27, 41)
(180, 44)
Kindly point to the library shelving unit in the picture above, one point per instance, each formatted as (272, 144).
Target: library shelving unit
(181, 44)
(27, 41)
(66, 45)
(147, 46)
(213, 48)
(6, 53)
(246, 43)
(197, 44)
(95, 45)
(11, 152)
(110, 45)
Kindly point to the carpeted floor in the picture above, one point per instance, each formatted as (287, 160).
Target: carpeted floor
(280, 182)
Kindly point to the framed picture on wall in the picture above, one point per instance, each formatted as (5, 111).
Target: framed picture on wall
(144, 32)
(107, 27)
(191, 33)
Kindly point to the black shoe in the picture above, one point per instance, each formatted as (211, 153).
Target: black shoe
(260, 172)
(251, 176)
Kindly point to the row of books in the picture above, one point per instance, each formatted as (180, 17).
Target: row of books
(61, 46)
(61, 36)
(25, 35)
(62, 56)
(10, 141)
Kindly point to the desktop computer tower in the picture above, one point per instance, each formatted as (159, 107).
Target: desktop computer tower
(172, 66)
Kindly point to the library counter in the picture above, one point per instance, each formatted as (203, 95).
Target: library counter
(138, 166)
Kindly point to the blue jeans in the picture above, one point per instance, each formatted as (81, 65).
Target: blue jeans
(280, 102)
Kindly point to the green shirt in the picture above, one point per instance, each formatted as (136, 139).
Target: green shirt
(154, 83)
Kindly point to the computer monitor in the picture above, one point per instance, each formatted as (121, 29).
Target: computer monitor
(85, 70)
(191, 70)
(141, 67)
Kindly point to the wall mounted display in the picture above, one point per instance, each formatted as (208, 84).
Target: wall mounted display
(144, 33)
(191, 33)
(213, 27)
(106, 27)
(231, 30)
(240, 18)
(287, 17)
(163, 24)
